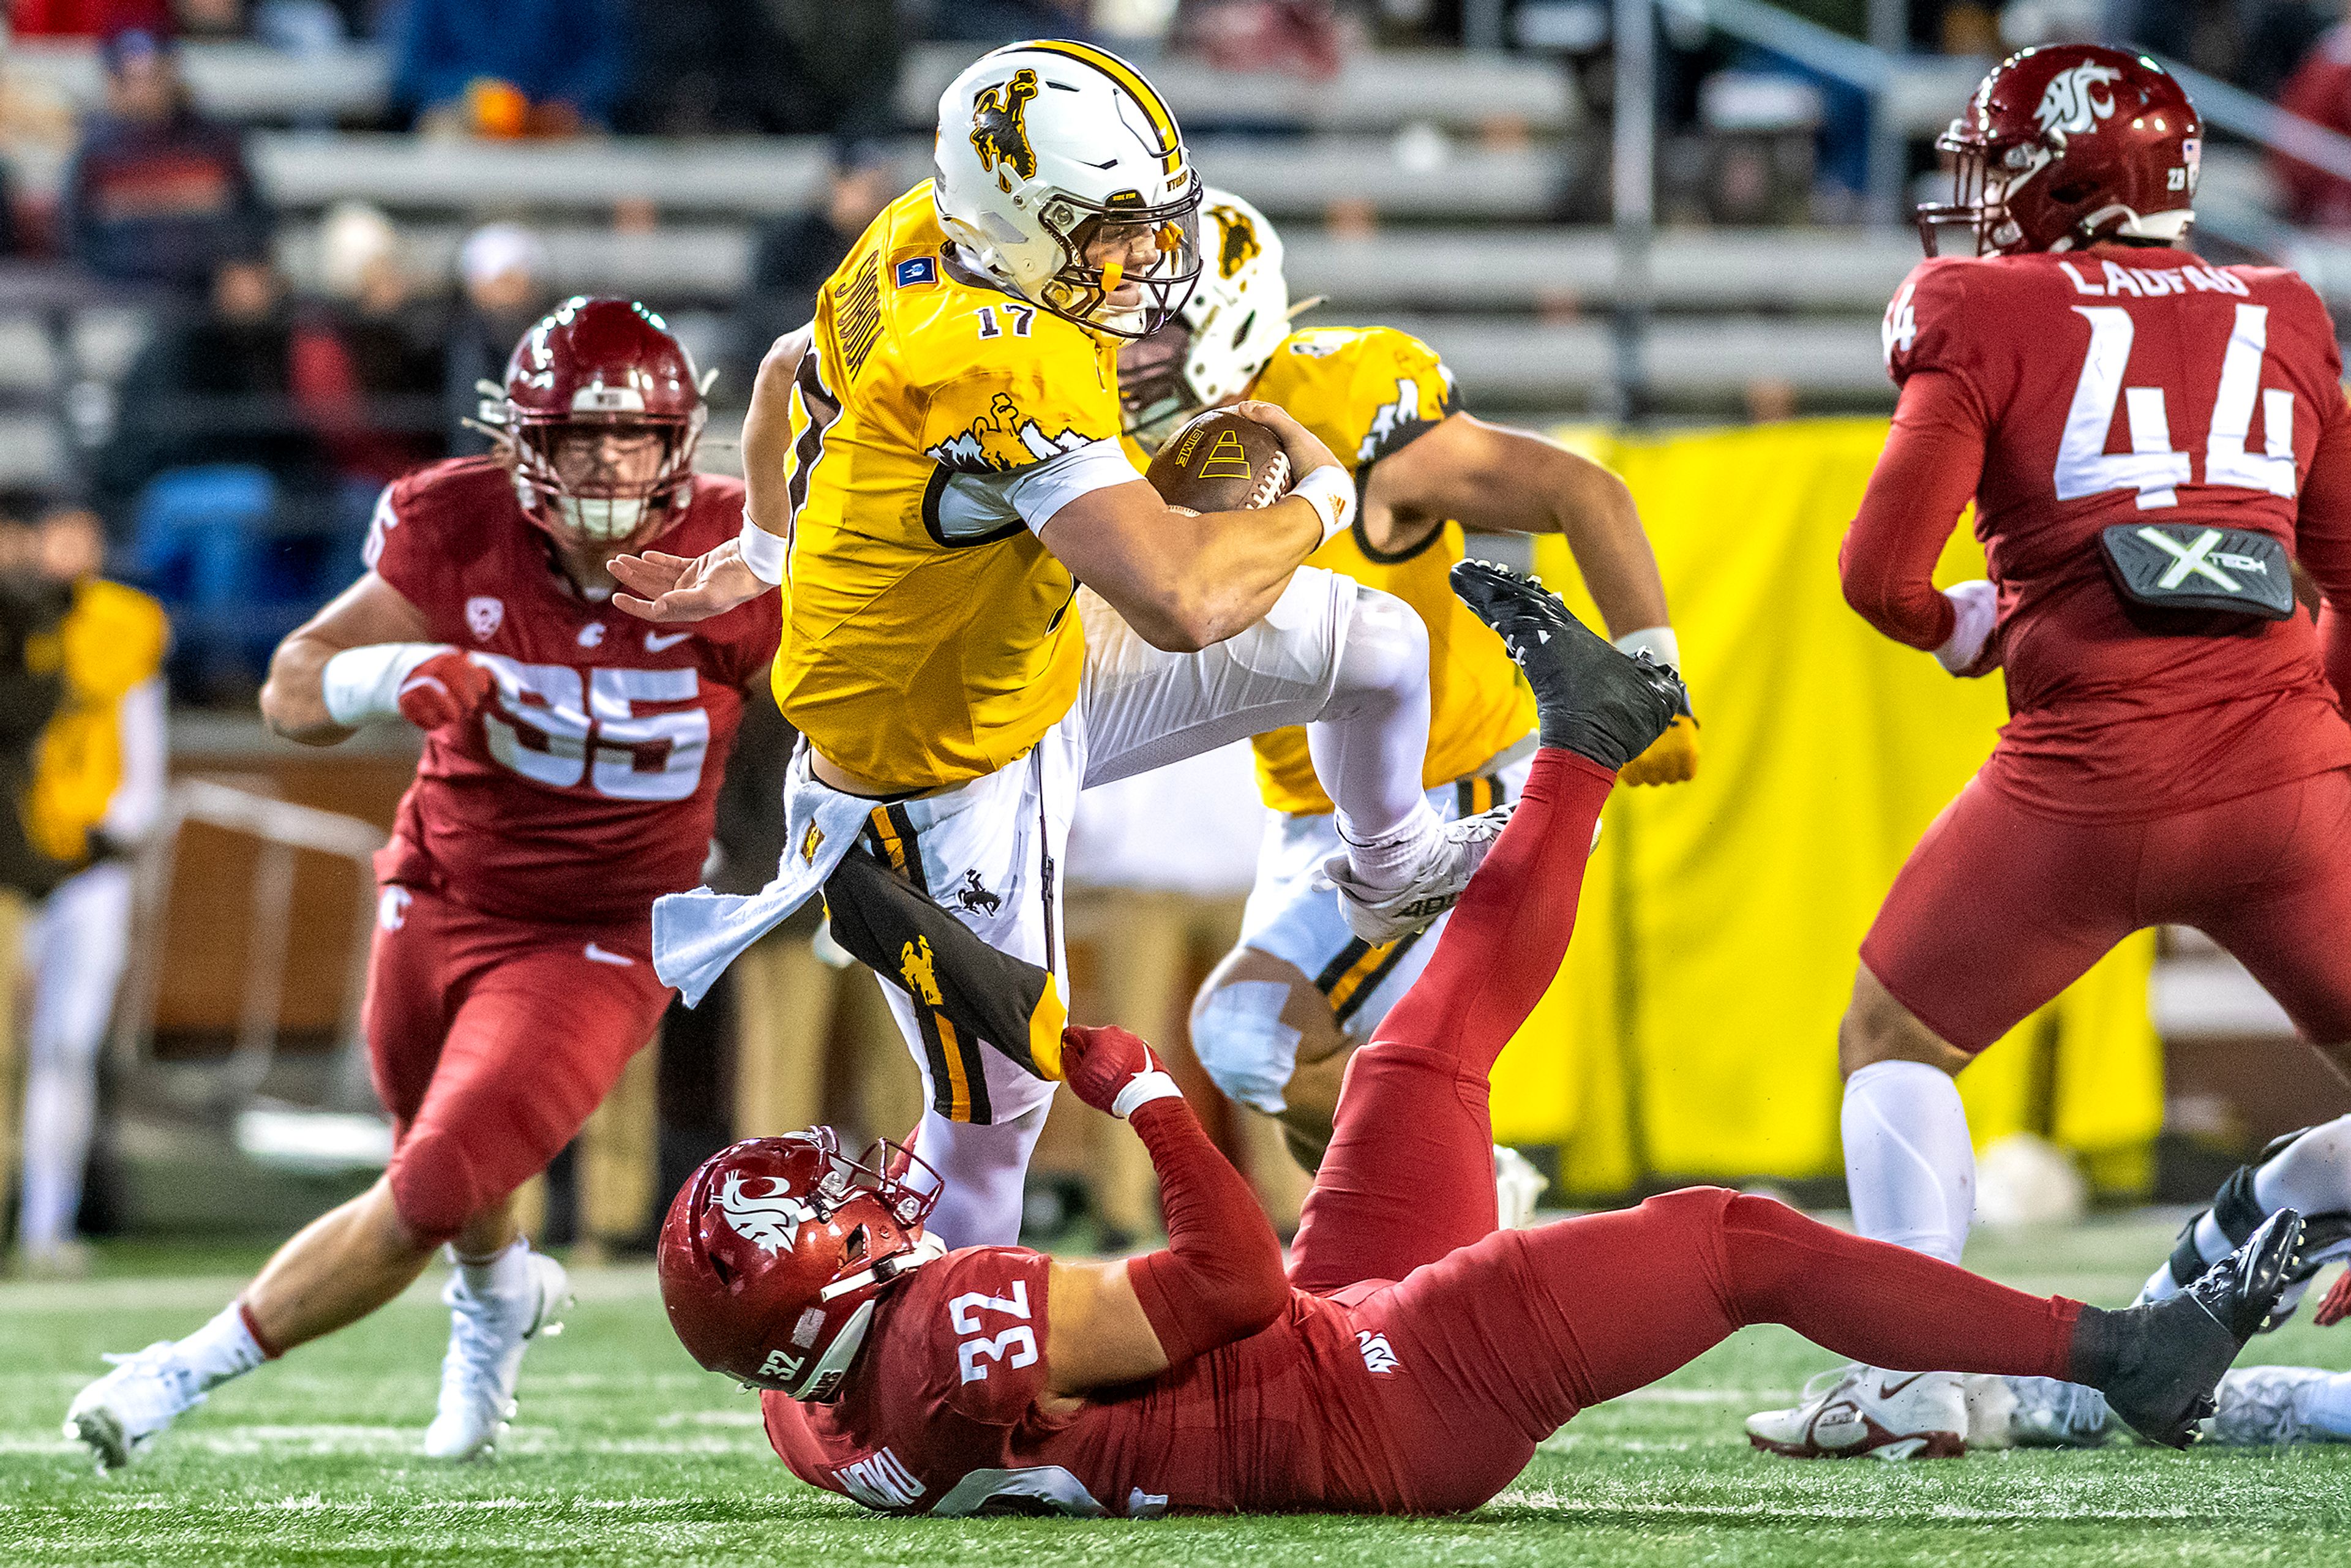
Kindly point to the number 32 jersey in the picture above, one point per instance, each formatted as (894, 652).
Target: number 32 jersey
(586, 788)
(2154, 390)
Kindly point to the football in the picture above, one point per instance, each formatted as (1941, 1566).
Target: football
(1220, 462)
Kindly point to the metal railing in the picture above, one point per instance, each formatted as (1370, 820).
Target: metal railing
(284, 831)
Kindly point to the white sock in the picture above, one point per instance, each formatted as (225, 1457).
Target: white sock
(222, 1349)
(505, 1272)
(2326, 1406)
(2311, 1174)
(1908, 1163)
(61, 1101)
(984, 1172)
(1371, 738)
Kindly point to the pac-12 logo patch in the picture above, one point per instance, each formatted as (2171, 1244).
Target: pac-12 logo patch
(918, 269)
(484, 616)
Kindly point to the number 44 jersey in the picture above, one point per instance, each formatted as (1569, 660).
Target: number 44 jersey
(2139, 387)
(586, 786)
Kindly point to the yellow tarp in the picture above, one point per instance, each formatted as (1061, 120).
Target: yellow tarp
(1693, 1029)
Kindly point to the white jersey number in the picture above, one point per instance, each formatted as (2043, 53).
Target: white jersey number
(554, 729)
(2084, 467)
(1013, 1348)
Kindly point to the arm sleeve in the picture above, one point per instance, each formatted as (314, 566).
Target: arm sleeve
(1410, 390)
(394, 551)
(2323, 539)
(1925, 479)
(1219, 1278)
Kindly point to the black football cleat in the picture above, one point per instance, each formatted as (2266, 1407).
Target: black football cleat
(1590, 698)
(2170, 1361)
(2238, 1213)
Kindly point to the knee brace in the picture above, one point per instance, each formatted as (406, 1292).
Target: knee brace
(1248, 1050)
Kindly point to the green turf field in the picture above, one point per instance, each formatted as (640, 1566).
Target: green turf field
(625, 1453)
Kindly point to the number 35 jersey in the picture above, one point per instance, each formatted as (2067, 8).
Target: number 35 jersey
(2146, 389)
(586, 788)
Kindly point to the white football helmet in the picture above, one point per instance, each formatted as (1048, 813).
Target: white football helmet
(1063, 176)
(1237, 316)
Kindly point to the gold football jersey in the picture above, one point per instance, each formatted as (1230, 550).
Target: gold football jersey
(927, 635)
(1367, 391)
(112, 639)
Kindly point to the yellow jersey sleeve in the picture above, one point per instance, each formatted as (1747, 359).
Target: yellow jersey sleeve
(113, 639)
(1368, 392)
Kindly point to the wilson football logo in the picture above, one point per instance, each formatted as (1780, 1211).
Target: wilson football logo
(769, 1220)
(1000, 129)
(2073, 103)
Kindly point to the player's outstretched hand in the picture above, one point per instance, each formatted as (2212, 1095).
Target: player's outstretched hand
(1672, 758)
(664, 586)
(447, 688)
(1301, 445)
(1112, 1070)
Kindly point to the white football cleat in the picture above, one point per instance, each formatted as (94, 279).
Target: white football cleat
(2269, 1407)
(1381, 916)
(2034, 1413)
(120, 1413)
(486, 1336)
(1857, 1412)
(1517, 1187)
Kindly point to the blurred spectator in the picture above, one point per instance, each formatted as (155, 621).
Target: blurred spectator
(511, 67)
(1298, 38)
(1008, 21)
(96, 791)
(388, 419)
(796, 253)
(87, 19)
(221, 478)
(787, 67)
(209, 18)
(504, 271)
(2320, 91)
(157, 193)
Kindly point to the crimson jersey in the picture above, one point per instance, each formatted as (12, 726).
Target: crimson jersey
(946, 1412)
(2162, 390)
(585, 789)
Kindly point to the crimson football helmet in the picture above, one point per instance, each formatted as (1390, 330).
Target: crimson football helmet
(599, 365)
(772, 1256)
(2065, 146)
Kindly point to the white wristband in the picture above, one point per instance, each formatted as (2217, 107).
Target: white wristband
(1976, 611)
(1332, 496)
(1142, 1090)
(1659, 642)
(362, 685)
(763, 552)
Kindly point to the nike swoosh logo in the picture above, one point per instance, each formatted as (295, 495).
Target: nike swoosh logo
(597, 953)
(1887, 1390)
(657, 644)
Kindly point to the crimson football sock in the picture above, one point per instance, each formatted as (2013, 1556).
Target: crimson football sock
(1502, 947)
(1885, 1305)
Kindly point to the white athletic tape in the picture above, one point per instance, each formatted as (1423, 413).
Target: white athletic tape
(1246, 1049)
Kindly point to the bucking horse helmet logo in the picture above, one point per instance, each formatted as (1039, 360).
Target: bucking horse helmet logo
(999, 129)
(769, 1220)
(1237, 243)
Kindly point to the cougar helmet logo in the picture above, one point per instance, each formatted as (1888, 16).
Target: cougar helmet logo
(1000, 129)
(2072, 103)
(769, 1220)
(1238, 245)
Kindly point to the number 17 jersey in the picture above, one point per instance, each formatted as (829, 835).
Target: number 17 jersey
(586, 788)
(2140, 387)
